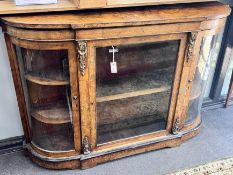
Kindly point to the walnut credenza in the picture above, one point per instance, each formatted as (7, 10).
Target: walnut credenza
(96, 86)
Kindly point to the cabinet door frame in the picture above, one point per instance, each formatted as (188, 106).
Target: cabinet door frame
(54, 45)
(87, 83)
(189, 84)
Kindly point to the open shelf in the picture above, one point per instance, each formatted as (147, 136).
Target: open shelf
(134, 85)
(55, 142)
(133, 94)
(132, 112)
(52, 114)
(52, 137)
(46, 81)
(132, 104)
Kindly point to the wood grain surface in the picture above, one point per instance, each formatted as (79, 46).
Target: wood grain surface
(9, 7)
(98, 29)
(122, 17)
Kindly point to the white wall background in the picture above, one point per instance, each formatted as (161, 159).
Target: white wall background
(10, 123)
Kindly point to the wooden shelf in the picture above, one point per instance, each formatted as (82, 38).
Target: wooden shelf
(46, 81)
(53, 138)
(52, 115)
(55, 142)
(132, 94)
(146, 82)
(135, 85)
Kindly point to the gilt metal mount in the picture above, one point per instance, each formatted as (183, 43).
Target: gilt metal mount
(175, 128)
(86, 146)
(192, 36)
(82, 55)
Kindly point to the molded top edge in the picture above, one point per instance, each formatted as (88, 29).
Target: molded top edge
(121, 16)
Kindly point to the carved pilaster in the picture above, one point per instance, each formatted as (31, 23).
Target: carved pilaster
(175, 128)
(82, 55)
(86, 146)
(192, 36)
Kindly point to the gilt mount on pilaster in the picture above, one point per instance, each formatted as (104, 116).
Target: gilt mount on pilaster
(82, 55)
(192, 36)
(86, 146)
(175, 128)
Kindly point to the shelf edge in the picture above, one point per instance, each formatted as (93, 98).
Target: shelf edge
(45, 81)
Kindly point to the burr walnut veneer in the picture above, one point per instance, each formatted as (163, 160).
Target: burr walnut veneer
(96, 86)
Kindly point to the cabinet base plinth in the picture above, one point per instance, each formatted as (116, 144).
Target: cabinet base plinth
(71, 164)
(88, 161)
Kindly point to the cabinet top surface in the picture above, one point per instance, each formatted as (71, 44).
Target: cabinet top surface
(121, 17)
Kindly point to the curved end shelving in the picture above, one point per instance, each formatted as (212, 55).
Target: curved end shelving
(46, 81)
(52, 115)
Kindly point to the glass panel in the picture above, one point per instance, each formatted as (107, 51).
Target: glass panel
(204, 65)
(214, 46)
(228, 77)
(45, 76)
(133, 98)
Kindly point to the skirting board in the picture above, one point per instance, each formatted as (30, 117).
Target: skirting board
(209, 104)
(12, 144)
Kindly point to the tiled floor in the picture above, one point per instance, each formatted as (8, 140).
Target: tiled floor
(215, 142)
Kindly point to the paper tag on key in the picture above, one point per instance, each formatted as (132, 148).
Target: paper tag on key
(113, 66)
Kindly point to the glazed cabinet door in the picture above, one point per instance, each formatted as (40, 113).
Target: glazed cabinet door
(133, 88)
(206, 59)
(48, 74)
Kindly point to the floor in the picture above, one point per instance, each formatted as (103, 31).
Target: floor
(215, 142)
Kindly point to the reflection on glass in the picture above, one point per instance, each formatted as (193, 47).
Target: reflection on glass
(228, 77)
(46, 84)
(133, 98)
(213, 44)
(209, 47)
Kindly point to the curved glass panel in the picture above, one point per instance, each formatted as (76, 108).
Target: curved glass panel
(207, 57)
(45, 77)
(227, 79)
